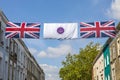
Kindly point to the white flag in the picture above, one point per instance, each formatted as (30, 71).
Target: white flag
(60, 30)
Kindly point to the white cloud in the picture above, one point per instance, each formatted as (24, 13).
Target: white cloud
(35, 43)
(54, 52)
(114, 11)
(51, 72)
(33, 50)
(42, 54)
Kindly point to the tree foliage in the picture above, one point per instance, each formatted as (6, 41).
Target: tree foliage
(79, 66)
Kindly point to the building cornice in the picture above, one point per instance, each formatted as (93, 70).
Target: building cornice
(3, 17)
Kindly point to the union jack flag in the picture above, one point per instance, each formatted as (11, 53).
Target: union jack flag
(97, 29)
(22, 30)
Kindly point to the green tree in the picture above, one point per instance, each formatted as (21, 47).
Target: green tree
(79, 66)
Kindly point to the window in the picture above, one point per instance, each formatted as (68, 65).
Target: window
(118, 46)
(101, 76)
(0, 68)
(1, 37)
(0, 26)
(97, 68)
(114, 52)
(26, 61)
(18, 54)
(7, 44)
(113, 47)
(111, 53)
(119, 60)
(22, 57)
(113, 74)
(15, 47)
(108, 77)
(0, 23)
(1, 34)
(107, 60)
(97, 78)
(11, 45)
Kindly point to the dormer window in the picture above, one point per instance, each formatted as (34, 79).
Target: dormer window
(0, 26)
(1, 35)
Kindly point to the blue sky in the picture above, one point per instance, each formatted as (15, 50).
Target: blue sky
(50, 53)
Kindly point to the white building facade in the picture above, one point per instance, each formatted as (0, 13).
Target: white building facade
(16, 61)
(115, 56)
(4, 55)
(98, 68)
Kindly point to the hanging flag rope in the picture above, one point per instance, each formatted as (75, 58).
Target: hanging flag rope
(61, 30)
